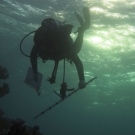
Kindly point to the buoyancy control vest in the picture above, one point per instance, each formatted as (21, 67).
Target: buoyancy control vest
(53, 37)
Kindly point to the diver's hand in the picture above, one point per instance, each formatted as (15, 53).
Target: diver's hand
(35, 77)
(82, 84)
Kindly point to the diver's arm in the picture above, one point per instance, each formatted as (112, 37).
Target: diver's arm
(33, 58)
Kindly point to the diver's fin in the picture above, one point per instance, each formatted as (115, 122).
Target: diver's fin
(86, 14)
(85, 24)
(80, 19)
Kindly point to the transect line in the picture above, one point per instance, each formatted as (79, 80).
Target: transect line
(49, 108)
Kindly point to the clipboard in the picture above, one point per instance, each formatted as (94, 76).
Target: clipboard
(29, 80)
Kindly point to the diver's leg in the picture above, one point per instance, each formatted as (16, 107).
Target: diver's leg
(80, 71)
(84, 26)
(79, 66)
(78, 42)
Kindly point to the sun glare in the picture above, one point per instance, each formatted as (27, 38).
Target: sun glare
(95, 40)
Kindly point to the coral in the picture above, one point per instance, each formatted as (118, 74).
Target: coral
(4, 123)
(13, 127)
(4, 89)
(4, 75)
(16, 127)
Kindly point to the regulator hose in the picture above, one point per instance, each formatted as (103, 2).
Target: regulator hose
(22, 42)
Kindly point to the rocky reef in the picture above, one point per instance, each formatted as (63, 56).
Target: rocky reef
(16, 127)
(4, 89)
(9, 126)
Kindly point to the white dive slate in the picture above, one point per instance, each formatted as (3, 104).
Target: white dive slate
(31, 82)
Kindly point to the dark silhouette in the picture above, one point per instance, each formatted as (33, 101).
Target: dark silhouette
(52, 41)
(4, 75)
(16, 127)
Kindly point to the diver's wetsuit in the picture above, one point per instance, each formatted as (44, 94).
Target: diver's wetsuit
(76, 47)
(70, 49)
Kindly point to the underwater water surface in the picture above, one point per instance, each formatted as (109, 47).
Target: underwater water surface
(104, 107)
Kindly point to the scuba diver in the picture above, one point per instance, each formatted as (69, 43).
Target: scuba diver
(52, 41)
